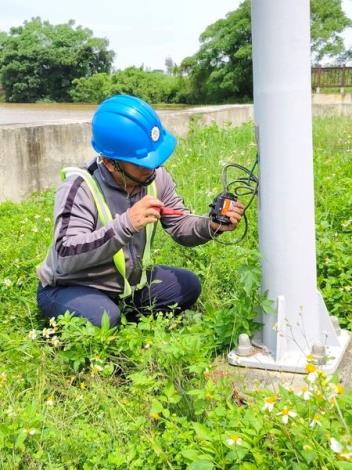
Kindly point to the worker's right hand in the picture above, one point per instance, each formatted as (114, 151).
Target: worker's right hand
(146, 211)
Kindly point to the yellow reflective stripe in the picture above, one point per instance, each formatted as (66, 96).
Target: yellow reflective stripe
(105, 216)
(152, 190)
(149, 230)
(119, 261)
(103, 209)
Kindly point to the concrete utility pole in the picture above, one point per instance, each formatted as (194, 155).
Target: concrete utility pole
(282, 107)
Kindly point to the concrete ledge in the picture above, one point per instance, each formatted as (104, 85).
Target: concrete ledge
(332, 109)
(332, 98)
(32, 155)
(178, 121)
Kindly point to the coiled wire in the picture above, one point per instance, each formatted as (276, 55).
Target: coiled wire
(242, 186)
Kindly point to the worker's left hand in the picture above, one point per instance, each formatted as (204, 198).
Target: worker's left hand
(235, 216)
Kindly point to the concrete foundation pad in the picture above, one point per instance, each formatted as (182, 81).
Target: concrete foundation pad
(293, 361)
(248, 379)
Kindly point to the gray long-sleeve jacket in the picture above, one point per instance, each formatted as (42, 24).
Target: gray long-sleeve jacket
(83, 249)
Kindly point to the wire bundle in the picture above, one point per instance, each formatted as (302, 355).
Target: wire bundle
(242, 186)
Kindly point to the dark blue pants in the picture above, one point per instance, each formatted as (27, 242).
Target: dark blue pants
(168, 289)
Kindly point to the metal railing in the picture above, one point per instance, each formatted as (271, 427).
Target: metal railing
(331, 77)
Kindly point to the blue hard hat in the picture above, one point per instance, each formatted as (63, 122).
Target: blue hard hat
(126, 128)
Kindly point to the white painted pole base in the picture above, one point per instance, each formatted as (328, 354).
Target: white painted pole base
(291, 355)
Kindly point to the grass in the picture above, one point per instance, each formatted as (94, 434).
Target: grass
(334, 90)
(145, 396)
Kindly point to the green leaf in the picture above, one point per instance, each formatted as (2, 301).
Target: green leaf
(194, 454)
(248, 279)
(202, 432)
(21, 437)
(343, 465)
(116, 458)
(105, 322)
(267, 305)
(156, 407)
(201, 465)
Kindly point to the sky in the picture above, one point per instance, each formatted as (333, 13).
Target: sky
(141, 32)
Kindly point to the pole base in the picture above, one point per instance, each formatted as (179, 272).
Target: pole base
(294, 361)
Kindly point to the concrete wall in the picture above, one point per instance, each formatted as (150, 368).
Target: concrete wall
(31, 156)
(332, 98)
(340, 109)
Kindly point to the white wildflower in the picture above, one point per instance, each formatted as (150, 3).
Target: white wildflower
(335, 445)
(269, 403)
(312, 372)
(305, 392)
(50, 401)
(55, 341)
(47, 332)
(52, 322)
(32, 334)
(234, 440)
(334, 390)
(30, 431)
(286, 413)
(343, 452)
(7, 282)
(95, 369)
(315, 421)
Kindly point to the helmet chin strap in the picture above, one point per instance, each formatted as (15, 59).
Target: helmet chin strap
(124, 172)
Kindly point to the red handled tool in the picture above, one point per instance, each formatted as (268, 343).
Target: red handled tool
(168, 211)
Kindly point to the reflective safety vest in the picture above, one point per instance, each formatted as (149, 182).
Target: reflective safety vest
(105, 217)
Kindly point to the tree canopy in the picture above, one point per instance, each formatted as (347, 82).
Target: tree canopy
(152, 86)
(222, 68)
(38, 61)
(328, 21)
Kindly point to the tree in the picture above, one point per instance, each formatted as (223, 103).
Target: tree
(152, 86)
(222, 68)
(328, 21)
(39, 61)
(92, 89)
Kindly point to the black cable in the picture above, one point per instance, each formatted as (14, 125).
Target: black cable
(244, 187)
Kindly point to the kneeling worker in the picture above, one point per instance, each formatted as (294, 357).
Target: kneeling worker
(105, 217)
